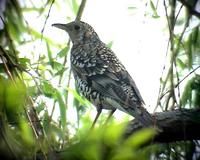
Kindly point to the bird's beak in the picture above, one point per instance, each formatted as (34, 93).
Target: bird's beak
(60, 26)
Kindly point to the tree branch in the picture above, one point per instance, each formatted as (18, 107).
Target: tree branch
(177, 125)
(80, 11)
(190, 8)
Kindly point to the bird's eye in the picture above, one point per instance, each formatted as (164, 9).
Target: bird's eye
(76, 27)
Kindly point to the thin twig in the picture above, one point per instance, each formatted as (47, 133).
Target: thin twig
(187, 75)
(42, 31)
(180, 81)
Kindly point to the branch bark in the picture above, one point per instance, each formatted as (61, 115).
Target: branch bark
(177, 125)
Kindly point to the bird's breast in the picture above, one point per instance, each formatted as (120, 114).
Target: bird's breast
(82, 58)
(86, 90)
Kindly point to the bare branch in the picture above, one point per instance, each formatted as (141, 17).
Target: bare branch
(42, 31)
(177, 125)
(80, 11)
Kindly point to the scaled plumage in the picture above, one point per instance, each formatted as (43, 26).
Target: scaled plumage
(100, 76)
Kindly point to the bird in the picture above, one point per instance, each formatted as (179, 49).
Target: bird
(100, 76)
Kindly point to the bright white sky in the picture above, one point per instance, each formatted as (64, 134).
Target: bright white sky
(138, 41)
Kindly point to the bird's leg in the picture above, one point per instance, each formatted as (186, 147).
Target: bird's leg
(97, 116)
(110, 115)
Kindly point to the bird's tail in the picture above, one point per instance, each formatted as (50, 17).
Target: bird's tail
(143, 116)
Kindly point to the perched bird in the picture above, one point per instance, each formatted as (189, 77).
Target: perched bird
(100, 76)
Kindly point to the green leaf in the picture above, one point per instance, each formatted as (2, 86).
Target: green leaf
(24, 62)
(62, 107)
(140, 137)
(26, 131)
(48, 89)
(60, 72)
(132, 8)
(155, 14)
(113, 134)
(49, 55)
(45, 122)
(187, 94)
(15, 96)
(40, 107)
(109, 45)
(189, 51)
(196, 91)
(180, 63)
(83, 101)
(63, 52)
(57, 66)
(31, 9)
(32, 91)
(195, 35)
(75, 6)
(57, 131)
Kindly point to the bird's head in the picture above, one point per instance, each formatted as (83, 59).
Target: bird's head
(79, 32)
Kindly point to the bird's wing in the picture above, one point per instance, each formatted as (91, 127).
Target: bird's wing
(117, 87)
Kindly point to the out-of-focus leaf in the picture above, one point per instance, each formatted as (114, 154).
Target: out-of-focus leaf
(132, 8)
(155, 14)
(140, 137)
(196, 91)
(62, 107)
(14, 20)
(57, 66)
(26, 133)
(31, 9)
(195, 35)
(180, 63)
(3, 83)
(186, 95)
(180, 22)
(56, 132)
(48, 89)
(75, 6)
(189, 51)
(40, 107)
(63, 52)
(109, 45)
(78, 97)
(49, 55)
(32, 91)
(15, 96)
(191, 92)
(126, 150)
(45, 122)
(60, 72)
(24, 62)
(111, 137)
